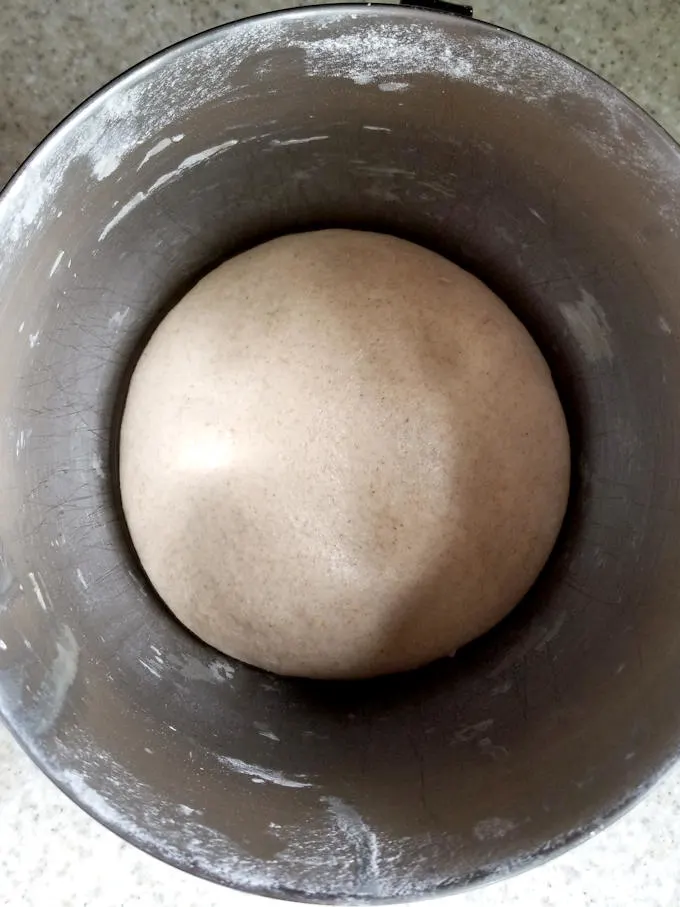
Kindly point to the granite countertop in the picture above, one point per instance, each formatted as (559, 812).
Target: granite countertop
(56, 53)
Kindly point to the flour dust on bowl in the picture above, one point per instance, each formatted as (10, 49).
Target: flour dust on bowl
(563, 197)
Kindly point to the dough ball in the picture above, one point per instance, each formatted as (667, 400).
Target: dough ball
(342, 456)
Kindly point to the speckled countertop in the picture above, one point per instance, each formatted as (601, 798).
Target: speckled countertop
(56, 52)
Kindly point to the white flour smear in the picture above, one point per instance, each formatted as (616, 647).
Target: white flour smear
(191, 668)
(128, 115)
(326, 849)
(266, 775)
(38, 590)
(187, 164)
(159, 147)
(364, 841)
(589, 326)
(59, 677)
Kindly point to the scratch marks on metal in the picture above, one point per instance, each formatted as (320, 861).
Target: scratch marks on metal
(152, 669)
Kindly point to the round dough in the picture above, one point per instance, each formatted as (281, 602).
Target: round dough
(342, 456)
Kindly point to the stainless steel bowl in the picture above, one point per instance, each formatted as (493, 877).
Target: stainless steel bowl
(565, 198)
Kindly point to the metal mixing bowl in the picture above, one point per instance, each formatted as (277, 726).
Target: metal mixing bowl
(559, 193)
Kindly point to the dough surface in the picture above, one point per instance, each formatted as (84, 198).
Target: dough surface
(342, 456)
